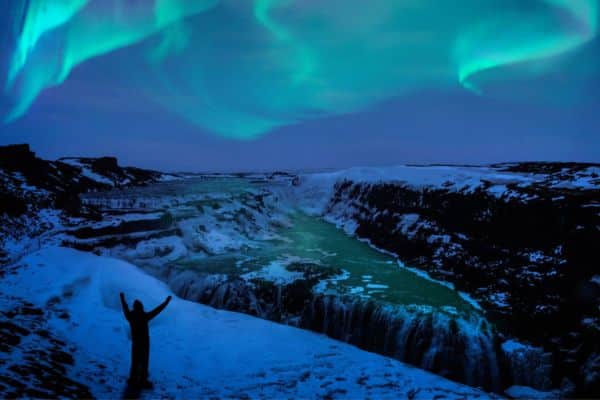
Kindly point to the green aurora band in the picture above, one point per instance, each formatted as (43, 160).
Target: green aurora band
(240, 68)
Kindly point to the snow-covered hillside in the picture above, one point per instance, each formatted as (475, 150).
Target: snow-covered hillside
(196, 351)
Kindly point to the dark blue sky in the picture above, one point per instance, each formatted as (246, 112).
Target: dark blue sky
(98, 111)
(85, 119)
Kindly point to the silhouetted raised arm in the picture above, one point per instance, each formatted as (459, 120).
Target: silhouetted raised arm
(158, 309)
(124, 306)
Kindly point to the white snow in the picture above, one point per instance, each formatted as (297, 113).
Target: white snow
(407, 222)
(200, 352)
(169, 178)
(538, 257)
(317, 188)
(588, 178)
(171, 246)
(324, 284)
(501, 299)
(87, 172)
(376, 286)
(423, 274)
(498, 190)
(527, 393)
(274, 272)
(314, 190)
(356, 290)
(510, 346)
(466, 297)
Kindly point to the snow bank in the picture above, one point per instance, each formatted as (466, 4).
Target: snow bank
(426, 176)
(199, 352)
(317, 188)
(524, 392)
(314, 190)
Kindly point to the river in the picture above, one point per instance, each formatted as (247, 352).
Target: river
(241, 246)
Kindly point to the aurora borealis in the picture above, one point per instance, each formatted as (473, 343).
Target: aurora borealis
(242, 68)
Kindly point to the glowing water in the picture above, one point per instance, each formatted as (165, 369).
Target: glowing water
(369, 274)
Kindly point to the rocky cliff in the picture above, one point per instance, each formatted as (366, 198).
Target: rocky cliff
(520, 238)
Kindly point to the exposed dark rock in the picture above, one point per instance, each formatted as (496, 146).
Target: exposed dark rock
(29, 184)
(116, 240)
(16, 157)
(12, 205)
(65, 179)
(528, 259)
(544, 167)
(143, 225)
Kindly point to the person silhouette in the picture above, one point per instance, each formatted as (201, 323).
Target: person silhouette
(140, 339)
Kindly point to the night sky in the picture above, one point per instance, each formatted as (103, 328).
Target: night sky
(210, 85)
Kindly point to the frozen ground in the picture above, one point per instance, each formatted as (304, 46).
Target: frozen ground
(196, 351)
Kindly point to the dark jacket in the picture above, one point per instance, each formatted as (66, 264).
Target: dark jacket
(138, 318)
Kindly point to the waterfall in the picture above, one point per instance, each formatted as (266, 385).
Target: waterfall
(459, 347)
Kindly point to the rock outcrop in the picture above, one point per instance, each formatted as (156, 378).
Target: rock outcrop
(29, 184)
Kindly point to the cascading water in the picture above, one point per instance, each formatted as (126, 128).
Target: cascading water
(458, 347)
(246, 249)
(455, 345)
